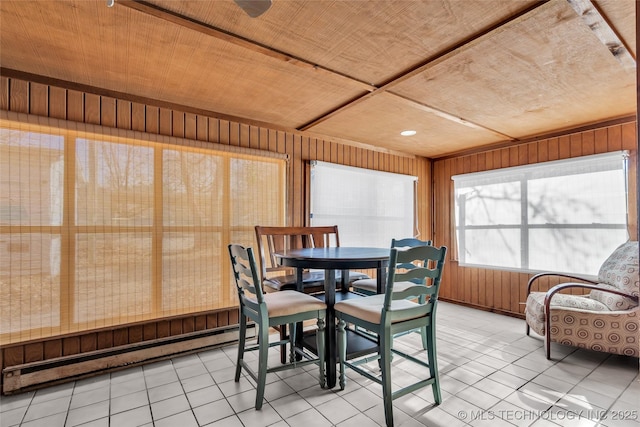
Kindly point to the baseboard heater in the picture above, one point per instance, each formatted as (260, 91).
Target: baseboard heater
(32, 375)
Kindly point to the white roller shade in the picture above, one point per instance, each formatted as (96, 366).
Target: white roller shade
(369, 207)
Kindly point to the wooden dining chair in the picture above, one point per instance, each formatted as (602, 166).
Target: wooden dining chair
(369, 286)
(272, 310)
(272, 240)
(392, 313)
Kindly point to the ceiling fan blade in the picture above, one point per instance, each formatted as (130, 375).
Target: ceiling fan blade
(254, 8)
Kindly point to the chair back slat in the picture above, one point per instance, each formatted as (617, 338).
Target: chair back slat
(245, 273)
(410, 242)
(426, 277)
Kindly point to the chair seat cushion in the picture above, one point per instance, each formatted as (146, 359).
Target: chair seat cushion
(371, 285)
(286, 303)
(288, 282)
(369, 308)
(355, 276)
(535, 307)
(367, 284)
(310, 279)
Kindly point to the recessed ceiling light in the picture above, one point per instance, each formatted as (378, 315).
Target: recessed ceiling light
(408, 132)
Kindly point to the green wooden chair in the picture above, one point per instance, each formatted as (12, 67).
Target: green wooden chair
(392, 313)
(369, 286)
(272, 310)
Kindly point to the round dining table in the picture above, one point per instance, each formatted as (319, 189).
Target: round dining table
(330, 259)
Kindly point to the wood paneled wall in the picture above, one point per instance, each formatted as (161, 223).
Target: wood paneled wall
(498, 290)
(90, 106)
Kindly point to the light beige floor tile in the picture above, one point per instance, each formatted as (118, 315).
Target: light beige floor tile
(126, 375)
(128, 387)
(338, 410)
(129, 401)
(213, 412)
(265, 417)
(290, 405)
(360, 420)
(56, 420)
(478, 397)
(168, 407)
(197, 382)
(464, 375)
(182, 419)
(232, 421)
(309, 418)
(88, 413)
(132, 418)
(89, 397)
(12, 417)
(437, 417)
(53, 392)
(495, 388)
(47, 407)
(204, 395)
(165, 391)
(14, 401)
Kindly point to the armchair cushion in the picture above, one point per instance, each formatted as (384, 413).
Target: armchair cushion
(619, 272)
(613, 302)
(534, 311)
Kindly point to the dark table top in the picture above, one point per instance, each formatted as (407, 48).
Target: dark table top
(338, 255)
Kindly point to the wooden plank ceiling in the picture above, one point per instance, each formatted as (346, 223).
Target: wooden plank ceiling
(463, 74)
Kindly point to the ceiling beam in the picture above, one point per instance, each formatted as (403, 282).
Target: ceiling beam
(447, 116)
(431, 62)
(604, 31)
(210, 30)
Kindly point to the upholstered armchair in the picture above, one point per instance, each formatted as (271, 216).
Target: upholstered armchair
(607, 318)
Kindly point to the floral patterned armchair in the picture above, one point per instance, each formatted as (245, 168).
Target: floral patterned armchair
(606, 319)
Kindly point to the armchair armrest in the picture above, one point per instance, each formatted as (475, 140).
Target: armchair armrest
(588, 279)
(557, 288)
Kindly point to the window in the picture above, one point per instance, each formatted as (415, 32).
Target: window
(100, 230)
(369, 207)
(564, 216)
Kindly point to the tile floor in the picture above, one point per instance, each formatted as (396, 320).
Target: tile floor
(492, 374)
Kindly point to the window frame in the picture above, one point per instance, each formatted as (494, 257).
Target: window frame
(525, 174)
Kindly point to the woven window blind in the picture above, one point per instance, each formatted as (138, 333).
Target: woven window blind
(98, 229)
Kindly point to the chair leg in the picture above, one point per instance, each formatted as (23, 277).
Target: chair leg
(423, 334)
(283, 347)
(547, 335)
(385, 366)
(342, 351)
(320, 346)
(527, 329)
(547, 344)
(423, 330)
(263, 353)
(241, 344)
(292, 342)
(432, 357)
